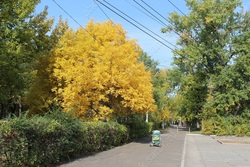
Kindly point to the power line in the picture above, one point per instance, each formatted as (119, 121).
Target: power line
(118, 15)
(144, 12)
(106, 15)
(184, 14)
(156, 12)
(68, 14)
(73, 19)
(134, 25)
(199, 50)
(156, 16)
(177, 8)
(150, 12)
(139, 23)
(186, 17)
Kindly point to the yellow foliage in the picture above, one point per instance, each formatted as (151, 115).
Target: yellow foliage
(208, 20)
(99, 73)
(166, 115)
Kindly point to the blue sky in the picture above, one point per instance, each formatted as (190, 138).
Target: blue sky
(84, 10)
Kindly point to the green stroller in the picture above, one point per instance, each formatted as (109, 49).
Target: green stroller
(156, 138)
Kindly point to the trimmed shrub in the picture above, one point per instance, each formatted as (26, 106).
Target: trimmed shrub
(242, 130)
(99, 136)
(228, 125)
(55, 137)
(223, 126)
(39, 141)
(153, 126)
(208, 127)
(138, 128)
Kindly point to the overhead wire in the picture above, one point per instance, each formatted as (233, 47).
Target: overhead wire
(165, 18)
(144, 12)
(70, 16)
(134, 25)
(177, 8)
(106, 14)
(149, 12)
(199, 50)
(156, 12)
(184, 14)
(76, 21)
(154, 15)
(139, 24)
(137, 9)
(108, 17)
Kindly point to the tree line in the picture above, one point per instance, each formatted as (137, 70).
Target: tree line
(97, 73)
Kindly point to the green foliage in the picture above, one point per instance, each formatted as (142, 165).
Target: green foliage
(39, 140)
(214, 59)
(208, 127)
(25, 37)
(161, 85)
(227, 125)
(242, 130)
(223, 126)
(101, 136)
(42, 141)
(231, 87)
(153, 126)
(137, 127)
(149, 63)
(39, 97)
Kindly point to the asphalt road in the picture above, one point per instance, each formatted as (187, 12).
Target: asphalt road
(140, 154)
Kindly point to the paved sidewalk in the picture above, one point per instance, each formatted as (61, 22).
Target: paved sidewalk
(139, 153)
(204, 151)
(179, 149)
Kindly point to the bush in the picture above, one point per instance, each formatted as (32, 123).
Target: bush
(228, 125)
(100, 136)
(208, 127)
(39, 141)
(137, 127)
(242, 130)
(224, 126)
(153, 126)
(55, 137)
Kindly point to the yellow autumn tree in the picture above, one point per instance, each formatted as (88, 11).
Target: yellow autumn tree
(99, 74)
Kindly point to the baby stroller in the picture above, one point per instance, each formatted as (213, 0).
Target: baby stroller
(156, 138)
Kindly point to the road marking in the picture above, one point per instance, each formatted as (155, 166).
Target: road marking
(184, 152)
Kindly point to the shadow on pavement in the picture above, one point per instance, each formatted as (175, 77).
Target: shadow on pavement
(147, 140)
(144, 140)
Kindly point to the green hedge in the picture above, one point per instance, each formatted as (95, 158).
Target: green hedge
(102, 136)
(56, 137)
(138, 128)
(227, 125)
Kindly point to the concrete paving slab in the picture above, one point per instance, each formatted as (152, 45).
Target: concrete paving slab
(206, 151)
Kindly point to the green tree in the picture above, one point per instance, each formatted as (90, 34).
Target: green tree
(210, 37)
(160, 88)
(24, 38)
(231, 89)
(150, 64)
(40, 96)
